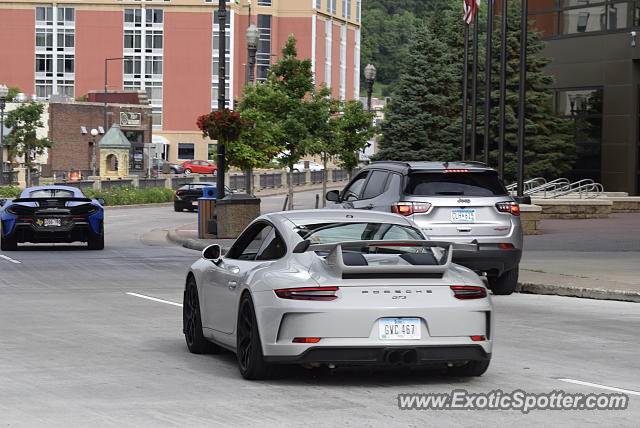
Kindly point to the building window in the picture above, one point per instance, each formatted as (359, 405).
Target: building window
(133, 16)
(44, 88)
(263, 58)
(215, 59)
(44, 38)
(66, 14)
(328, 49)
(331, 6)
(318, 4)
(44, 63)
(132, 65)
(584, 107)
(583, 20)
(66, 38)
(132, 39)
(186, 151)
(266, 3)
(65, 87)
(342, 88)
(153, 66)
(154, 91)
(65, 64)
(617, 16)
(358, 10)
(348, 2)
(44, 14)
(153, 40)
(154, 16)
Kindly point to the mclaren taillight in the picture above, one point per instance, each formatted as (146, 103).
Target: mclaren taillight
(468, 292)
(508, 207)
(306, 339)
(409, 208)
(308, 293)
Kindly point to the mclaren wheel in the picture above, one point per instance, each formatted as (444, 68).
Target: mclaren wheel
(192, 322)
(249, 350)
(96, 240)
(7, 243)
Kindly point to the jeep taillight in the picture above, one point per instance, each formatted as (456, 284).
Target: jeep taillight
(408, 208)
(508, 207)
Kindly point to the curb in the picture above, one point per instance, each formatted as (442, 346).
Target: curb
(582, 292)
(192, 244)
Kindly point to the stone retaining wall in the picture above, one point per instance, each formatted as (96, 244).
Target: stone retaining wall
(629, 204)
(574, 208)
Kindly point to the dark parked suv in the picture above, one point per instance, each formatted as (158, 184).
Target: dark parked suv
(461, 202)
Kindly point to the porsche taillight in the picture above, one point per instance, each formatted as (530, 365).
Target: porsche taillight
(409, 208)
(468, 292)
(308, 293)
(508, 207)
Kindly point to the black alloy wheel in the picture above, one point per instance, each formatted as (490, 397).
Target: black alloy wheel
(249, 350)
(192, 322)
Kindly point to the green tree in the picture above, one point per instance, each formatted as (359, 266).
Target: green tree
(24, 122)
(424, 105)
(290, 108)
(354, 129)
(13, 91)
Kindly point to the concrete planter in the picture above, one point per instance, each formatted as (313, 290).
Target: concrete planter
(530, 217)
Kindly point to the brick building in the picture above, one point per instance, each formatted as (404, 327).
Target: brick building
(73, 150)
(170, 51)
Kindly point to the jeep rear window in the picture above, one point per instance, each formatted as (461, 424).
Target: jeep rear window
(455, 184)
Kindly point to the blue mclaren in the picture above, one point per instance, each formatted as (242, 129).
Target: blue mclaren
(51, 214)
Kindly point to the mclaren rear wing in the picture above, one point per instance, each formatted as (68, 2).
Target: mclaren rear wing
(50, 201)
(335, 259)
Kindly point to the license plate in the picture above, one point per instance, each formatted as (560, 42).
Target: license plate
(194, 203)
(463, 216)
(399, 328)
(52, 222)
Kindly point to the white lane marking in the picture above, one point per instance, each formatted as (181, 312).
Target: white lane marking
(9, 259)
(142, 296)
(595, 385)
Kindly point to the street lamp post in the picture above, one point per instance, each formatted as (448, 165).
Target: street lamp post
(222, 71)
(4, 91)
(94, 134)
(106, 61)
(252, 35)
(370, 78)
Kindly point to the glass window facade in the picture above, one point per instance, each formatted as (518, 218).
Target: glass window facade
(584, 108)
(571, 17)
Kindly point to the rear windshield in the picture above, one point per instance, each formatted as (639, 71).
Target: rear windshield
(328, 233)
(455, 184)
(51, 193)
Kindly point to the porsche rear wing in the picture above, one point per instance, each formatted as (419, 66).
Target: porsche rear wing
(335, 259)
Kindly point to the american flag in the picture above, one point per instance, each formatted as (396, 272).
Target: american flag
(470, 10)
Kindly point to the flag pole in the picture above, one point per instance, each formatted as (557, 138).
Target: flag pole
(487, 80)
(465, 90)
(523, 96)
(474, 91)
(503, 87)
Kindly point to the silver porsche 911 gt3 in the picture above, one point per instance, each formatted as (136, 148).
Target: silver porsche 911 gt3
(335, 287)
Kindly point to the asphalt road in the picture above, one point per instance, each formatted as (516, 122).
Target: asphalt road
(77, 350)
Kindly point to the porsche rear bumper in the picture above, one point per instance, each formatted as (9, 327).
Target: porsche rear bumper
(384, 355)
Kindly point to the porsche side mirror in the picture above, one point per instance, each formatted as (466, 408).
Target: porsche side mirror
(213, 253)
(100, 201)
(333, 196)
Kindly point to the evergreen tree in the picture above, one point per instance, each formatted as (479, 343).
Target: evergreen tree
(424, 104)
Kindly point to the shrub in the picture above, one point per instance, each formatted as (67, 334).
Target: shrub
(128, 196)
(9, 192)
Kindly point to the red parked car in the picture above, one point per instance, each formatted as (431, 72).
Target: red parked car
(198, 166)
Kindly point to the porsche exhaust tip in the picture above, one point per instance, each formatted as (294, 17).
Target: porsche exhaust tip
(402, 357)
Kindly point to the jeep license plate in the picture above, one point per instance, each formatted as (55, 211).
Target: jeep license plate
(463, 216)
